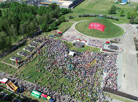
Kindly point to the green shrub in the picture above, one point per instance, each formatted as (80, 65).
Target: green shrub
(112, 10)
(136, 20)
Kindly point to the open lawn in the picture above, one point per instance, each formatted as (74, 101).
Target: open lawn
(111, 30)
(7, 69)
(101, 7)
(62, 27)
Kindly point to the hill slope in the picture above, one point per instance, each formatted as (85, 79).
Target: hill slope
(111, 30)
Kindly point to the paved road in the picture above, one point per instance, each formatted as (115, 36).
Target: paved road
(129, 75)
(73, 32)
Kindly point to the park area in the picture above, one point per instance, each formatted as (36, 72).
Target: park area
(101, 7)
(81, 75)
(110, 31)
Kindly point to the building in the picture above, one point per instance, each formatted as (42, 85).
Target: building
(63, 3)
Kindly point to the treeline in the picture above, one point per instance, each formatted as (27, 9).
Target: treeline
(22, 20)
(133, 16)
(99, 15)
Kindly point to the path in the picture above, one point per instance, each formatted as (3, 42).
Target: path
(73, 32)
(129, 82)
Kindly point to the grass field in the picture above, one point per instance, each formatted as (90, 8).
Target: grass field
(101, 7)
(111, 30)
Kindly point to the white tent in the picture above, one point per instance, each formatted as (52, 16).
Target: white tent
(4, 80)
(71, 53)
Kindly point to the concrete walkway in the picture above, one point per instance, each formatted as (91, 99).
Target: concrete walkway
(129, 81)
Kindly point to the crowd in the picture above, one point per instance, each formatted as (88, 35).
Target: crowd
(84, 75)
(95, 43)
(83, 72)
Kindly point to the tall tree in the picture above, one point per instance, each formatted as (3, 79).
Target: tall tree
(112, 10)
(0, 13)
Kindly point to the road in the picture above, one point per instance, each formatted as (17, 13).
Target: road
(129, 83)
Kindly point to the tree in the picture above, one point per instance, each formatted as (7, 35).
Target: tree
(136, 20)
(13, 30)
(53, 6)
(61, 19)
(5, 40)
(0, 13)
(52, 26)
(2, 40)
(44, 27)
(129, 15)
(65, 11)
(131, 20)
(112, 10)
(122, 13)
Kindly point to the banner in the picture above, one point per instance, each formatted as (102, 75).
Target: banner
(96, 26)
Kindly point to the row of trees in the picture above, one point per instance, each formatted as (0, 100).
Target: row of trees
(96, 15)
(133, 16)
(22, 20)
(113, 9)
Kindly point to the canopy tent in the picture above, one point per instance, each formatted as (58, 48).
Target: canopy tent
(44, 96)
(51, 35)
(36, 94)
(83, 41)
(124, 1)
(51, 100)
(4, 80)
(59, 33)
(48, 97)
(77, 39)
(71, 53)
(107, 42)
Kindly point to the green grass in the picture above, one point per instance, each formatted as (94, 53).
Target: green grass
(64, 26)
(7, 69)
(100, 7)
(111, 30)
(86, 48)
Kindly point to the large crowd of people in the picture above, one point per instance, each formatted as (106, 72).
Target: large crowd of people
(83, 71)
(84, 75)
